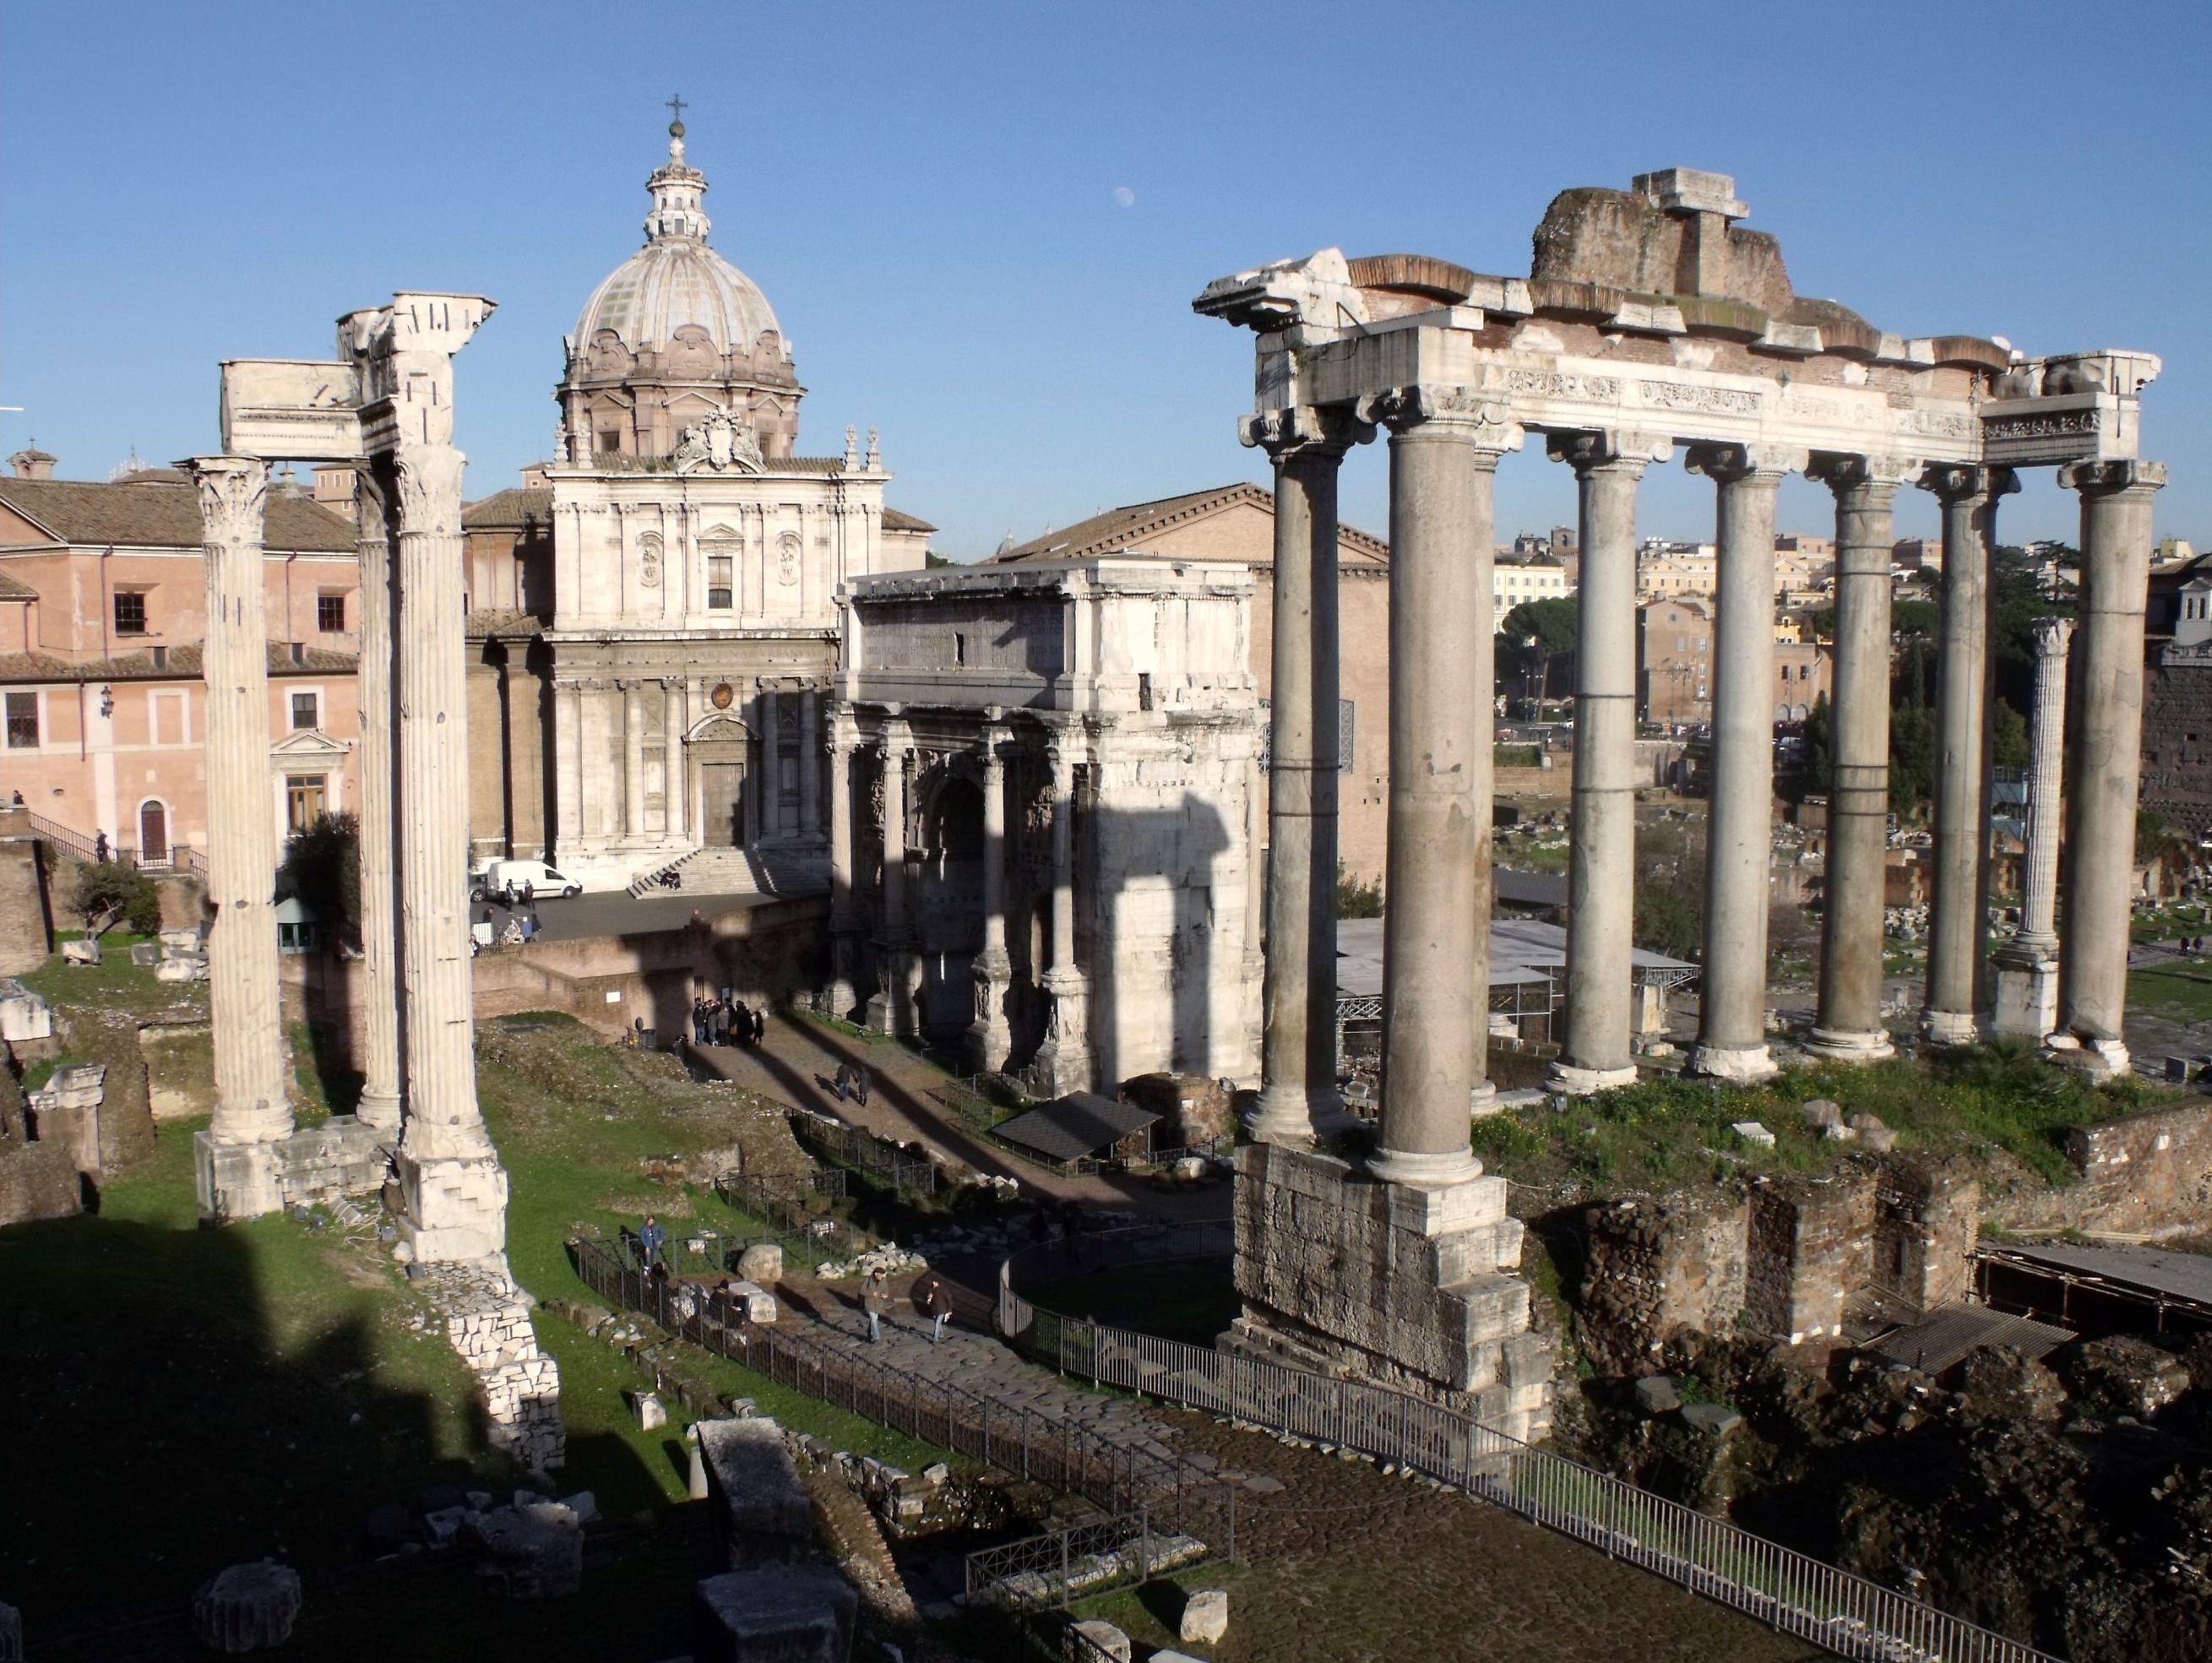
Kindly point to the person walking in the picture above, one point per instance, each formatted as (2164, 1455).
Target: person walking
(936, 1304)
(843, 1082)
(861, 1082)
(699, 1021)
(650, 1240)
(741, 1021)
(875, 1298)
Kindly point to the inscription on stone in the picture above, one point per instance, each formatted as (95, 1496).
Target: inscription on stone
(1688, 395)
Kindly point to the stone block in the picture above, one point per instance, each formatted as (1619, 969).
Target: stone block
(179, 944)
(1096, 1641)
(652, 1414)
(24, 1018)
(145, 953)
(1752, 1132)
(81, 951)
(1873, 1133)
(1822, 1112)
(757, 1503)
(181, 969)
(451, 1210)
(246, 1608)
(1204, 1618)
(73, 1127)
(1655, 1395)
(236, 1180)
(533, 1551)
(786, 1614)
(762, 1263)
(1715, 1420)
(755, 1302)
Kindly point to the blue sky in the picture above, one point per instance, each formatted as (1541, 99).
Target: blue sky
(933, 199)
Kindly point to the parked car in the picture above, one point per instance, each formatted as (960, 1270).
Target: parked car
(505, 879)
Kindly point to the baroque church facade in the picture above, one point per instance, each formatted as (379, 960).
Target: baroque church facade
(654, 610)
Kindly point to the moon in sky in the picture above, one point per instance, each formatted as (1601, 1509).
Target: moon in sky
(1124, 197)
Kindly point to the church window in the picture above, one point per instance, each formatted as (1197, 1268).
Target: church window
(129, 612)
(23, 721)
(719, 572)
(329, 613)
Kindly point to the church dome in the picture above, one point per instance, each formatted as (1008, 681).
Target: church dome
(675, 280)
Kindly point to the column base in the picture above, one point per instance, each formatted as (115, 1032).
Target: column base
(2026, 1002)
(1298, 1118)
(1424, 1170)
(1571, 1080)
(1950, 1027)
(452, 1208)
(2097, 1060)
(236, 1180)
(1840, 1045)
(1742, 1064)
(843, 999)
(343, 1155)
(379, 1110)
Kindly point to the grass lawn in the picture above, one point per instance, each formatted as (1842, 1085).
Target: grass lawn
(2176, 993)
(115, 983)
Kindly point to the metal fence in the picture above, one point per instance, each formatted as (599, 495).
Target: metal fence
(1792, 1592)
(784, 1204)
(864, 1152)
(1050, 1449)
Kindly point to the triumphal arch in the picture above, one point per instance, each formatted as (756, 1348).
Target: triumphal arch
(1650, 321)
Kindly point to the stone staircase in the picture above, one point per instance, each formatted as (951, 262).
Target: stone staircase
(770, 871)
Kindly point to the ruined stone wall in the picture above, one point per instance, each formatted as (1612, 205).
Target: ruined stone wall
(1811, 1248)
(1653, 1267)
(37, 1181)
(24, 942)
(2146, 1175)
(127, 1119)
(2176, 742)
(1927, 1216)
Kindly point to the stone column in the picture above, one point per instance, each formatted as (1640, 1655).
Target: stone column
(771, 791)
(1445, 448)
(2026, 1002)
(376, 1047)
(809, 764)
(1957, 924)
(1602, 836)
(2105, 762)
(1848, 1025)
(1299, 1096)
(632, 709)
(888, 1011)
(1255, 962)
(675, 776)
(844, 910)
(1064, 1061)
(989, 1037)
(251, 1103)
(1740, 829)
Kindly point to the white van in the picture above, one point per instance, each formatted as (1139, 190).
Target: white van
(505, 879)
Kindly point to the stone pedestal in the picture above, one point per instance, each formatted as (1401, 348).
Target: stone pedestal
(1412, 1287)
(343, 1155)
(2026, 991)
(248, 1608)
(451, 1207)
(783, 1614)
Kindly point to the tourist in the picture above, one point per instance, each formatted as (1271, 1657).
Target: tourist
(650, 1240)
(720, 1022)
(529, 894)
(741, 1023)
(844, 1082)
(875, 1296)
(99, 847)
(699, 1022)
(760, 1024)
(934, 1302)
(860, 1083)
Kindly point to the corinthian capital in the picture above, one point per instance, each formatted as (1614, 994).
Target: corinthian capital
(1729, 465)
(1303, 430)
(429, 479)
(1463, 410)
(232, 492)
(2052, 636)
(2108, 478)
(1879, 476)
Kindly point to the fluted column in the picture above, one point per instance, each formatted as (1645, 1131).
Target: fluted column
(675, 776)
(250, 1103)
(1299, 1096)
(1847, 1026)
(989, 1037)
(632, 709)
(1601, 833)
(1740, 827)
(376, 1050)
(2105, 762)
(844, 921)
(889, 1011)
(1444, 447)
(1957, 925)
(2027, 967)
(1064, 1062)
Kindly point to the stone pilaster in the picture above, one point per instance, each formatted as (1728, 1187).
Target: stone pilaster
(1064, 1062)
(376, 1050)
(2105, 762)
(2026, 1002)
(252, 1106)
(889, 1010)
(1445, 446)
(1958, 916)
(675, 775)
(771, 791)
(1602, 836)
(1299, 1096)
(845, 917)
(633, 723)
(1847, 1026)
(990, 1039)
(1740, 829)
(809, 764)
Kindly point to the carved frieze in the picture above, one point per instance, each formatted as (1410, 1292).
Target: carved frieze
(1564, 384)
(1696, 397)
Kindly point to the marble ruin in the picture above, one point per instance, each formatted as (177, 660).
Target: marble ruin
(1043, 781)
(1649, 319)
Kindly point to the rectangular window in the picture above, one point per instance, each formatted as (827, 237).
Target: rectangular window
(23, 721)
(129, 612)
(610, 442)
(720, 570)
(959, 647)
(303, 711)
(303, 800)
(329, 614)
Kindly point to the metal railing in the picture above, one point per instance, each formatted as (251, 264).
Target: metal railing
(54, 832)
(1791, 1592)
(782, 1204)
(1048, 1449)
(864, 1152)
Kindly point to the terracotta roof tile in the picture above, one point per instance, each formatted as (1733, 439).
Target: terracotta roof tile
(1122, 530)
(896, 521)
(163, 514)
(184, 665)
(515, 506)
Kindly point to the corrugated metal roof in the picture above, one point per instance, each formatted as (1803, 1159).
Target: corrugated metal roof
(1942, 1340)
(1081, 1123)
(2162, 1270)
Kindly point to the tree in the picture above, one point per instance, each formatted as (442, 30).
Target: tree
(1818, 766)
(1536, 633)
(104, 885)
(2008, 737)
(322, 868)
(1670, 891)
(1355, 898)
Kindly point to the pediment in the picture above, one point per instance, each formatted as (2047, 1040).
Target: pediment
(309, 744)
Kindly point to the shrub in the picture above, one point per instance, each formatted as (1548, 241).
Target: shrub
(102, 885)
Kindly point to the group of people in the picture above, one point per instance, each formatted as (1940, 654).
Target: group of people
(930, 1298)
(522, 925)
(852, 1083)
(726, 1022)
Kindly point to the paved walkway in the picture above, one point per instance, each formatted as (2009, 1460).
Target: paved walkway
(798, 1061)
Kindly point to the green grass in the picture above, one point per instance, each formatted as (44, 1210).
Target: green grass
(115, 983)
(2176, 994)
(1670, 1131)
